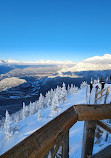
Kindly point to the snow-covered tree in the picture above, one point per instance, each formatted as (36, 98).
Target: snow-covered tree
(63, 93)
(52, 93)
(7, 126)
(48, 102)
(40, 101)
(58, 92)
(17, 118)
(54, 105)
(24, 111)
(39, 115)
(47, 99)
(56, 99)
(68, 89)
(83, 84)
(32, 108)
(71, 89)
(36, 106)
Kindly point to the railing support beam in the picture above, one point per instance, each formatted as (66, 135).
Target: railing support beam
(65, 146)
(104, 126)
(88, 139)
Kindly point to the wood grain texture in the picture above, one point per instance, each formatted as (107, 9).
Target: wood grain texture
(88, 139)
(65, 146)
(93, 112)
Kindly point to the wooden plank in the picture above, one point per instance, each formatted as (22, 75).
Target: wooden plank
(93, 112)
(104, 126)
(40, 142)
(101, 92)
(88, 138)
(65, 146)
(107, 93)
(105, 153)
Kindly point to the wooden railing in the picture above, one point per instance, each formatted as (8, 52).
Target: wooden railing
(101, 94)
(56, 132)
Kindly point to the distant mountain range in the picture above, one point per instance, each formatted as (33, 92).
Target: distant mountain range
(86, 66)
(20, 68)
(40, 62)
(106, 59)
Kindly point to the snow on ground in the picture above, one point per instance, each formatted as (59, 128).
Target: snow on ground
(31, 123)
(10, 82)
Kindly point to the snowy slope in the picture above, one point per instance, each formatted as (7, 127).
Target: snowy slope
(10, 82)
(31, 123)
(96, 63)
(83, 66)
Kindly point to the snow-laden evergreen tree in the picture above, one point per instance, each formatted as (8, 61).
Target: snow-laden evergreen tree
(40, 101)
(71, 89)
(7, 126)
(36, 106)
(52, 93)
(63, 93)
(24, 111)
(58, 92)
(56, 99)
(54, 104)
(17, 118)
(68, 89)
(32, 109)
(48, 102)
(47, 99)
(83, 84)
(39, 115)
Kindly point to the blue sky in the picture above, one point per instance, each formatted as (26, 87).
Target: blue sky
(31, 30)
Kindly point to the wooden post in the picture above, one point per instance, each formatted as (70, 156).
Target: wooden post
(65, 146)
(88, 139)
(107, 93)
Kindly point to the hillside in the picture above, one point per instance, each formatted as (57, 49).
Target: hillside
(38, 113)
(10, 82)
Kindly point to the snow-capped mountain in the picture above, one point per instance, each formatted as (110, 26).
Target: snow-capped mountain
(96, 63)
(40, 62)
(86, 66)
(106, 59)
